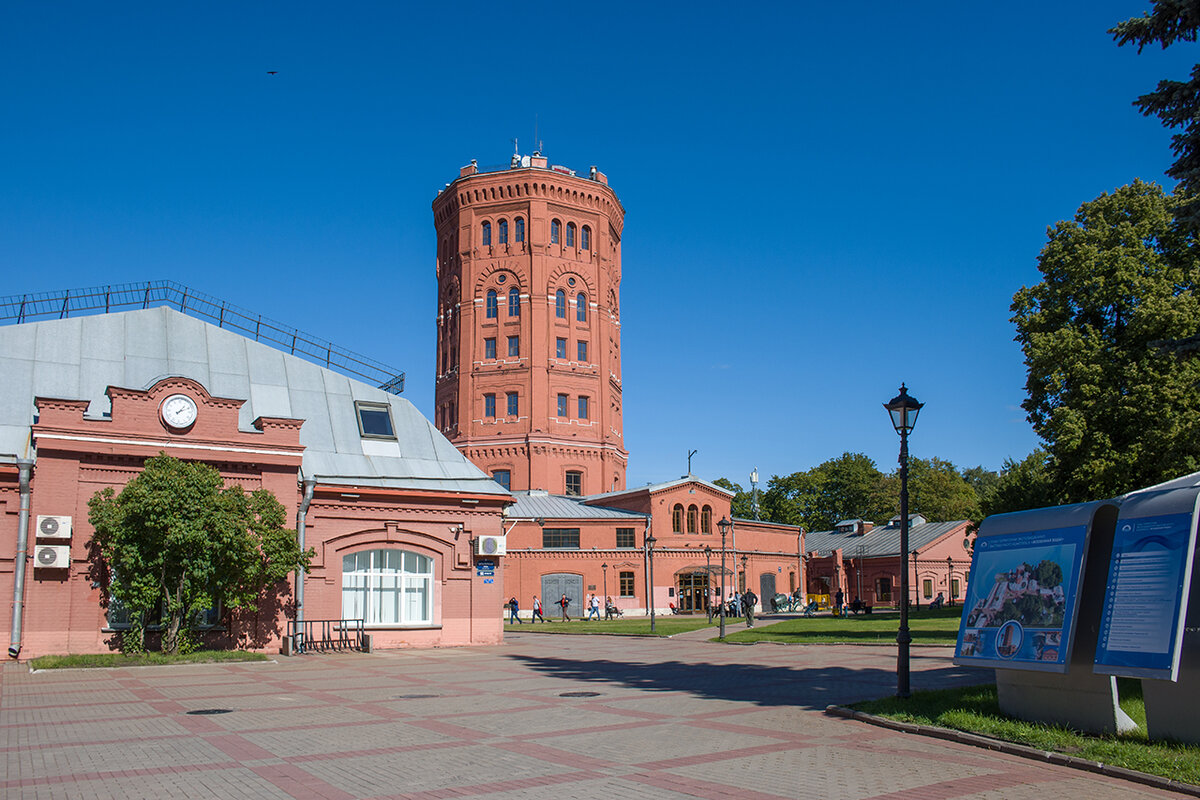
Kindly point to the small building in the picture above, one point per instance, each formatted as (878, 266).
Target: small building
(579, 546)
(390, 507)
(863, 561)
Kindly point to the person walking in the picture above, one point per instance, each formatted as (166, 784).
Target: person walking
(512, 611)
(749, 600)
(537, 610)
(609, 608)
(594, 607)
(563, 602)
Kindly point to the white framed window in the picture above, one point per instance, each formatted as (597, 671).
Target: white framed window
(387, 587)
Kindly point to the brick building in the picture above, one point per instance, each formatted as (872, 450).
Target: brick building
(391, 508)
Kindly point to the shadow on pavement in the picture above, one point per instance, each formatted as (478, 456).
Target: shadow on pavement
(812, 688)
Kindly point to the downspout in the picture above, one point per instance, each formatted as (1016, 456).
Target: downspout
(310, 484)
(24, 468)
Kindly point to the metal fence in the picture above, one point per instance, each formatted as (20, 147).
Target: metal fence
(326, 635)
(126, 296)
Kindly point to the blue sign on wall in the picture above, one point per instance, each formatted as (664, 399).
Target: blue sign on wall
(1022, 598)
(1145, 598)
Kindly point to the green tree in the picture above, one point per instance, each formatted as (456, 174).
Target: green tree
(1049, 574)
(1028, 483)
(937, 490)
(790, 499)
(1116, 410)
(175, 539)
(1175, 103)
(742, 504)
(983, 481)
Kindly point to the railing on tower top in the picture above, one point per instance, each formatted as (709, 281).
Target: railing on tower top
(21, 308)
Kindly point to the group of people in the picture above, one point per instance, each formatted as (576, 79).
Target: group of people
(740, 604)
(564, 603)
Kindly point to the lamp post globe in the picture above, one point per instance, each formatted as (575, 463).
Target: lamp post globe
(903, 410)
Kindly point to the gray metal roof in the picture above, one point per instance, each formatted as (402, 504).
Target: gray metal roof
(538, 504)
(881, 541)
(79, 358)
(658, 487)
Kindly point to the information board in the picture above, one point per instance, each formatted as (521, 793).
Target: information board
(1145, 599)
(1022, 600)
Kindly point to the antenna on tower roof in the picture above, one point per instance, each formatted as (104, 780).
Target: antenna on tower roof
(515, 150)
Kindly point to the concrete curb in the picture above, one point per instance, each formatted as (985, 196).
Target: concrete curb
(988, 743)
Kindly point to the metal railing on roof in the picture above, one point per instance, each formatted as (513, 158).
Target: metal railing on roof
(17, 309)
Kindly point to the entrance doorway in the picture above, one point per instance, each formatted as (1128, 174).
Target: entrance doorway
(766, 586)
(692, 590)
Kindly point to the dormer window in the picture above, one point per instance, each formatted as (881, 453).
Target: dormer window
(374, 420)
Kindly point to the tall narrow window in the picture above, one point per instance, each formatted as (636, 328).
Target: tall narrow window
(491, 311)
(560, 304)
(677, 519)
(514, 346)
(489, 405)
(514, 407)
(489, 348)
(626, 581)
(583, 408)
(574, 483)
(693, 518)
(570, 234)
(562, 405)
(560, 348)
(706, 521)
(487, 234)
(555, 227)
(927, 588)
(514, 302)
(520, 231)
(581, 351)
(581, 307)
(503, 477)
(585, 238)
(502, 230)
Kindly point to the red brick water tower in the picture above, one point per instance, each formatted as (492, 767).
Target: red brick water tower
(529, 325)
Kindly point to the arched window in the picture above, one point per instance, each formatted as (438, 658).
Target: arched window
(585, 238)
(677, 519)
(706, 519)
(388, 587)
(487, 234)
(503, 231)
(520, 232)
(560, 304)
(581, 307)
(692, 519)
(570, 234)
(514, 302)
(491, 311)
(555, 226)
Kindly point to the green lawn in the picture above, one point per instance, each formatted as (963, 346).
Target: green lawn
(85, 660)
(975, 709)
(925, 627)
(634, 626)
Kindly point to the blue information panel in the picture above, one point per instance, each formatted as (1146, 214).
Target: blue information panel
(1022, 599)
(1148, 579)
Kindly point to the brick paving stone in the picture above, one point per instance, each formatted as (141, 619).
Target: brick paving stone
(678, 718)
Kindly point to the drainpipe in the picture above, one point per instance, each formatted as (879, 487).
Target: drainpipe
(24, 468)
(310, 484)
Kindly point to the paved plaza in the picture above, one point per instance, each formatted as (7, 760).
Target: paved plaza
(678, 718)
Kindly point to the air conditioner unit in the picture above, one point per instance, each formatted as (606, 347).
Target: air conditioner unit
(52, 556)
(49, 527)
(489, 546)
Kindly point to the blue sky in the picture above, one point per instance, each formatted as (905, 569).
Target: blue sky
(822, 200)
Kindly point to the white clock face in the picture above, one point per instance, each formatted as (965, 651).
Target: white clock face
(179, 411)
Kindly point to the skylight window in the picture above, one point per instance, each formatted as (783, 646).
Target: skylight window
(374, 420)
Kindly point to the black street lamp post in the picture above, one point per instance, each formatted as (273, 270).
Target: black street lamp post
(723, 525)
(950, 580)
(604, 567)
(903, 410)
(650, 541)
(707, 579)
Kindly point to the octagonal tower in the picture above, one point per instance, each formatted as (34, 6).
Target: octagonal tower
(529, 327)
